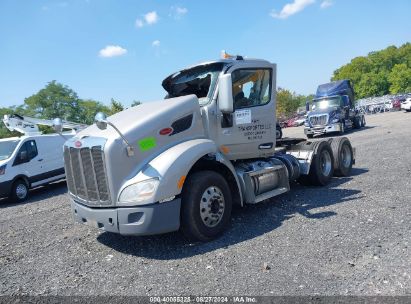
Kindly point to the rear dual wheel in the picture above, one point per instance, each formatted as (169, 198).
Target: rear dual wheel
(343, 156)
(322, 165)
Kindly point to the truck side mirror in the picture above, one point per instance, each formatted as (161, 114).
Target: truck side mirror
(23, 157)
(101, 120)
(225, 94)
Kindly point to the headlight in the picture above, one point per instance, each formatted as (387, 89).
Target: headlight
(3, 169)
(140, 193)
(306, 123)
(335, 120)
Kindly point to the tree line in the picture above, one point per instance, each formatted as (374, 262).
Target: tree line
(379, 73)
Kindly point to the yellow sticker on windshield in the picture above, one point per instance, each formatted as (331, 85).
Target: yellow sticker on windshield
(147, 143)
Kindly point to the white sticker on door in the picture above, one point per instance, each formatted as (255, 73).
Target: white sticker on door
(242, 117)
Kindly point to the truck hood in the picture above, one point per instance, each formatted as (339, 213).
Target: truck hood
(150, 128)
(323, 111)
(134, 121)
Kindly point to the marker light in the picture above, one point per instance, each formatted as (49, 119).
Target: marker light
(224, 55)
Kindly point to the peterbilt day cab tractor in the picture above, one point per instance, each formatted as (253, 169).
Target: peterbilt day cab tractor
(183, 162)
(333, 110)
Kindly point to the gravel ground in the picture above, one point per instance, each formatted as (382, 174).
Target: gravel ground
(352, 237)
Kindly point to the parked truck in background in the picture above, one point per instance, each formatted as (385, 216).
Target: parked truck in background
(184, 162)
(333, 110)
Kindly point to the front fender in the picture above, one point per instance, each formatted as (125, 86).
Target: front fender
(173, 165)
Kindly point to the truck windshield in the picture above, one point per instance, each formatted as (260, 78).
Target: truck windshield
(199, 80)
(326, 103)
(7, 148)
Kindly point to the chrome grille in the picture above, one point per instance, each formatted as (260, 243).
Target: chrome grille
(86, 176)
(319, 120)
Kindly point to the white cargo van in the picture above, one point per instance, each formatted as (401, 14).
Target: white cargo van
(33, 159)
(30, 161)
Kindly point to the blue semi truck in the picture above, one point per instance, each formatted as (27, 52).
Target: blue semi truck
(333, 110)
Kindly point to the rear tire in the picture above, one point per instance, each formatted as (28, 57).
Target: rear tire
(205, 206)
(342, 125)
(357, 122)
(343, 156)
(278, 133)
(19, 191)
(363, 121)
(322, 165)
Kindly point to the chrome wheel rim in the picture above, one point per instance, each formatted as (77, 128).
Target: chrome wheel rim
(325, 163)
(21, 191)
(212, 206)
(346, 156)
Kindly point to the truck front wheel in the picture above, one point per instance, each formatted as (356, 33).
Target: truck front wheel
(205, 206)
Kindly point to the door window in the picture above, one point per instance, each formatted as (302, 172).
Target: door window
(31, 149)
(27, 152)
(251, 87)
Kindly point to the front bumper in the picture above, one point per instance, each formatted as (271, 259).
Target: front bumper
(142, 220)
(5, 188)
(335, 127)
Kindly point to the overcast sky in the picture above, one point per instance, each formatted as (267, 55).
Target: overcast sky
(123, 49)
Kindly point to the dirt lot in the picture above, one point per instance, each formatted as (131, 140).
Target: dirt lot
(352, 237)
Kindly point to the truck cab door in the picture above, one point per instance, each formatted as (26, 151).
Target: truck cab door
(250, 131)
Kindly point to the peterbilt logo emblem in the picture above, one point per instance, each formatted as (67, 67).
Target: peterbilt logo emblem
(78, 143)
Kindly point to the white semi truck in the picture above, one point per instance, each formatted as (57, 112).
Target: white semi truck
(183, 162)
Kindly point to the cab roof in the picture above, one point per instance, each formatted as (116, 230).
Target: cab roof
(229, 61)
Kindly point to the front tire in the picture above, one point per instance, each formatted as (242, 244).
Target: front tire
(19, 191)
(310, 135)
(205, 206)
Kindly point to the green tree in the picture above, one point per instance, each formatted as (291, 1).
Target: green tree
(115, 107)
(379, 73)
(55, 100)
(373, 84)
(400, 79)
(287, 102)
(87, 109)
(135, 103)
